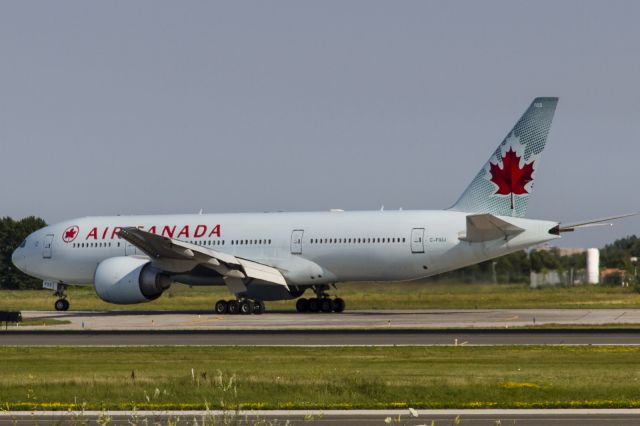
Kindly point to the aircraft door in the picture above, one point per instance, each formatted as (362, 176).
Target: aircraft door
(130, 249)
(47, 246)
(417, 240)
(296, 241)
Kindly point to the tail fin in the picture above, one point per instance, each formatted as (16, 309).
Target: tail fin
(504, 184)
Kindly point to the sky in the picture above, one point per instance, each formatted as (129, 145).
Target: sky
(152, 107)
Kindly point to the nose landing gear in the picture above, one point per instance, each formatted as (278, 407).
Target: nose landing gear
(62, 304)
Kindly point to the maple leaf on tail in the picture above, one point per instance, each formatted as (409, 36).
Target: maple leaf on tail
(511, 179)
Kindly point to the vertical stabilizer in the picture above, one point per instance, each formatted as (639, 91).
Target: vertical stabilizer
(505, 183)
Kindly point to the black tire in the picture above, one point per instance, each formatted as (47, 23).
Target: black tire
(246, 307)
(61, 305)
(233, 307)
(326, 305)
(314, 305)
(302, 305)
(258, 307)
(221, 307)
(338, 305)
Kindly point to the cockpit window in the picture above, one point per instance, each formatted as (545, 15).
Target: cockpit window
(23, 243)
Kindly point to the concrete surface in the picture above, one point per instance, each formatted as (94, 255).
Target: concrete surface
(319, 337)
(568, 417)
(412, 319)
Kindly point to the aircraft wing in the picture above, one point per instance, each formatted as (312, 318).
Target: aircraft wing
(487, 227)
(234, 269)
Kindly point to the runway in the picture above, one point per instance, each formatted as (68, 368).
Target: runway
(379, 319)
(567, 417)
(417, 327)
(390, 337)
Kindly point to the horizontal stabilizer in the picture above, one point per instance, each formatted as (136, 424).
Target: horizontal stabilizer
(605, 221)
(487, 227)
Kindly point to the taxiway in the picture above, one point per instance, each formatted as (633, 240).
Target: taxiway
(564, 417)
(379, 319)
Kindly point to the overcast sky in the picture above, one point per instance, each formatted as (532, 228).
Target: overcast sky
(170, 107)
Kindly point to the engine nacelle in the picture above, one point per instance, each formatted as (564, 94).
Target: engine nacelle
(126, 280)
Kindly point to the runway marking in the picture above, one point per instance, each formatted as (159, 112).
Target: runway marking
(510, 318)
(621, 315)
(206, 320)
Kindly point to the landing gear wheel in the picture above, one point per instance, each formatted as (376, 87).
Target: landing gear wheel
(302, 305)
(61, 305)
(338, 305)
(233, 307)
(326, 305)
(246, 307)
(314, 305)
(258, 307)
(221, 307)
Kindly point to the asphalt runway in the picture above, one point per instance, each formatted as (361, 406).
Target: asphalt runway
(320, 337)
(572, 417)
(379, 319)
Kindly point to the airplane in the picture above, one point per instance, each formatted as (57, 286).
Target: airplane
(278, 256)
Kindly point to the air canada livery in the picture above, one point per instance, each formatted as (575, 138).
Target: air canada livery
(274, 256)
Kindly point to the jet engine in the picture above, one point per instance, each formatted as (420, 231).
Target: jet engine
(126, 280)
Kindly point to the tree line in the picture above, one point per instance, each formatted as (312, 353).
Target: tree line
(512, 268)
(12, 232)
(516, 267)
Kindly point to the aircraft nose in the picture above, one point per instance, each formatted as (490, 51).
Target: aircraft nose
(18, 259)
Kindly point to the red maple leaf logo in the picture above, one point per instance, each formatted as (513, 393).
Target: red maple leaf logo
(511, 179)
(70, 234)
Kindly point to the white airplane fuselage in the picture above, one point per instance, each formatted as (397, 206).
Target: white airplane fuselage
(309, 248)
(274, 256)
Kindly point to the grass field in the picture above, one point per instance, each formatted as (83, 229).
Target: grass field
(361, 296)
(364, 377)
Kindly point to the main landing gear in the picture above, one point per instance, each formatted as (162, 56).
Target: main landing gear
(321, 303)
(242, 306)
(62, 304)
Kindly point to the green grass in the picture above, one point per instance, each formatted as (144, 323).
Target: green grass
(358, 377)
(361, 296)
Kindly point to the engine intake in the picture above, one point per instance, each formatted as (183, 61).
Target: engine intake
(127, 280)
